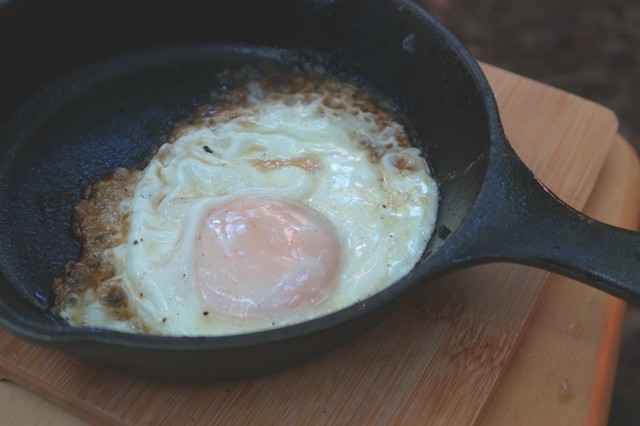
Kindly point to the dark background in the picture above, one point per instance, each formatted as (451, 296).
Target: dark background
(587, 47)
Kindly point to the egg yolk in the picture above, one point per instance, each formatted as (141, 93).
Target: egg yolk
(263, 256)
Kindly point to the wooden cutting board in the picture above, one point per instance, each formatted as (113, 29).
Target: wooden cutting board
(437, 360)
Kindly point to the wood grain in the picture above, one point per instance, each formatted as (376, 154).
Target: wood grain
(435, 361)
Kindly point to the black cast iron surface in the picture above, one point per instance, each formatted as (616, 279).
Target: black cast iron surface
(90, 86)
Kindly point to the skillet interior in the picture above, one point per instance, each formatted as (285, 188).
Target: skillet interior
(72, 114)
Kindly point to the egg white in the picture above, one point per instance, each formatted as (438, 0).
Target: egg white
(339, 158)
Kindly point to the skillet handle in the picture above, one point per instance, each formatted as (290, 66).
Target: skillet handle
(536, 228)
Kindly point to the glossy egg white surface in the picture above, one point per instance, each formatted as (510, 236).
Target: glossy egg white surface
(334, 176)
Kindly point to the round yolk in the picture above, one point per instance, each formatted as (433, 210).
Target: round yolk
(264, 256)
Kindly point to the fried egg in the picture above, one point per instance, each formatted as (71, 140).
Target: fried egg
(294, 197)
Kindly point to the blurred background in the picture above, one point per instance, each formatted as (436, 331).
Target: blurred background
(588, 47)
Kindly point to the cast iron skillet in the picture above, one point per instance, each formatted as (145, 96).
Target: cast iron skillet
(71, 113)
